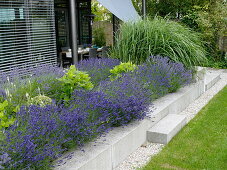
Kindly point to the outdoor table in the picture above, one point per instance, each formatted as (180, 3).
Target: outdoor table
(81, 52)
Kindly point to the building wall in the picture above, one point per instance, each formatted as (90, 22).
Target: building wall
(108, 29)
(27, 33)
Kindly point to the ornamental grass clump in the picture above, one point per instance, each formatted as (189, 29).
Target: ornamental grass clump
(136, 41)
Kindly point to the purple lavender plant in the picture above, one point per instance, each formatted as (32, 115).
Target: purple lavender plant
(160, 76)
(40, 79)
(46, 79)
(129, 100)
(4, 159)
(177, 74)
(35, 138)
(2, 94)
(98, 69)
(41, 134)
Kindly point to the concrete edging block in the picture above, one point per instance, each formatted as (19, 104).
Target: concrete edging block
(212, 82)
(166, 129)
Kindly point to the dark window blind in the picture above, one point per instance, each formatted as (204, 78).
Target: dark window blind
(27, 33)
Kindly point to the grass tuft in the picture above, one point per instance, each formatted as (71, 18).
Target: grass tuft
(138, 40)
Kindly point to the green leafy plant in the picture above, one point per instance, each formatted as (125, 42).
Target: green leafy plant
(136, 41)
(40, 100)
(74, 79)
(210, 21)
(5, 119)
(122, 68)
(99, 37)
(100, 12)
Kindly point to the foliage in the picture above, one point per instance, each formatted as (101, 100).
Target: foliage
(98, 69)
(74, 79)
(16, 86)
(40, 134)
(171, 8)
(117, 71)
(136, 41)
(46, 79)
(163, 76)
(99, 37)
(160, 76)
(5, 120)
(210, 21)
(40, 100)
(4, 158)
(192, 147)
(100, 12)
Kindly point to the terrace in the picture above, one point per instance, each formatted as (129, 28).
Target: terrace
(95, 113)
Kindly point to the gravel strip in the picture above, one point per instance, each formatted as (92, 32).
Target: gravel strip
(144, 153)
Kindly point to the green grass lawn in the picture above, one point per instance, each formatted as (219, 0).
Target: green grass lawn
(202, 144)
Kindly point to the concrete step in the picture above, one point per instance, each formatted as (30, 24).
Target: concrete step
(211, 78)
(166, 129)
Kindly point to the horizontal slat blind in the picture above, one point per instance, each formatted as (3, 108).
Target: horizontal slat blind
(27, 33)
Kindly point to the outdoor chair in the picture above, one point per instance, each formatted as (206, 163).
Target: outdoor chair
(104, 53)
(65, 61)
(92, 53)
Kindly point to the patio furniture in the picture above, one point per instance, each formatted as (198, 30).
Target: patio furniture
(65, 59)
(92, 54)
(104, 52)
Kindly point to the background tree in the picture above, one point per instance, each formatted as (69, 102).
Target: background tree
(102, 14)
(208, 17)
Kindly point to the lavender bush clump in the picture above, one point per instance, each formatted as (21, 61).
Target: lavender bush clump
(2, 95)
(98, 69)
(129, 99)
(4, 159)
(179, 75)
(35, 139)
(41, 134)
(46, 79)
(160, 76)
(41, 79)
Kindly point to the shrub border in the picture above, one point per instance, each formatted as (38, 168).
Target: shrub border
(110, 150)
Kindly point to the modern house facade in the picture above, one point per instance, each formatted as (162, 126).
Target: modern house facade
(34, 31)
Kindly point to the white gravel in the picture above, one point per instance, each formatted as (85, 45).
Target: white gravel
(144, 153)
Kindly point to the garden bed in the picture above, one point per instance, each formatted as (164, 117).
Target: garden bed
(110, 150)
(54, 110)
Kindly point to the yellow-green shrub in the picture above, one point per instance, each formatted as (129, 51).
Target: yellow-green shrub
(122, 68)
(5, 120)
(40, 100)
(74, 79)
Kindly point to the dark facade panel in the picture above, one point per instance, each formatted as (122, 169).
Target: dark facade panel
(27, 33)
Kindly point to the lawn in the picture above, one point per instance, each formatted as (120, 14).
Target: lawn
(202, 144)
